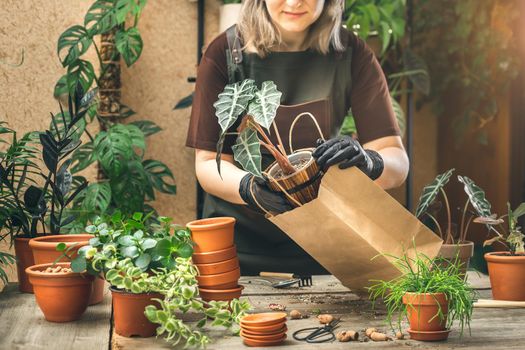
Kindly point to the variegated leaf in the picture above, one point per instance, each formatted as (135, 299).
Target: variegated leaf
(476, 196)
(247, 151)
(430, 192)
(232, 102)
(264, 107)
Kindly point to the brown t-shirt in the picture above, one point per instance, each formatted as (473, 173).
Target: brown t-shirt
(368, 96)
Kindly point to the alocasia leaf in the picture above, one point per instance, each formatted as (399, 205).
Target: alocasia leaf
(247, 151)
(264, 107)
(430, 192)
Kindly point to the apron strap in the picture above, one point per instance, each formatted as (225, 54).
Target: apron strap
(234, 55)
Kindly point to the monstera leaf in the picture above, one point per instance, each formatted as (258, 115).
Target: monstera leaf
(476, 197)
(247, 151)
(265, 104)
(430, 192)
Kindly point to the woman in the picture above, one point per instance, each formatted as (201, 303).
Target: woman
(320, 68)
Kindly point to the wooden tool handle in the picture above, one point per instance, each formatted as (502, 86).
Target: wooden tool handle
(489, 303)
(276, 274)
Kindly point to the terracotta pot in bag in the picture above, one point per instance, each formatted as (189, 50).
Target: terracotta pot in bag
(62, 296)
(24, 259)
(128, 313)
(422, 309)
(463, 251)
(506, 275)
(212, 234)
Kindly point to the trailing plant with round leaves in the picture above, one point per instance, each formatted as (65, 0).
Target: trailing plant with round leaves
(420, 274)
(147, 245)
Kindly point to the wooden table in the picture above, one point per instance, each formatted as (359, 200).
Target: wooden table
(23, 325)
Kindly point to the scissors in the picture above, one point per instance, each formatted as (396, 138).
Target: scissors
(318, 334)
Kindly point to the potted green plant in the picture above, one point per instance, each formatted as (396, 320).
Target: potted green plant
(505, 267)
(431, 296)
(254, 111)
(456, 245)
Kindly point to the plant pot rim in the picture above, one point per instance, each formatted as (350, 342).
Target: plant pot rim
(504, 257)
(424, 298)
(463, 243)
(215, 252)
(50, 242)
(210, 223)
(113, 289)
(216, 275)
(275, 164)
(220, 291)
(223, 262)
(35, 271)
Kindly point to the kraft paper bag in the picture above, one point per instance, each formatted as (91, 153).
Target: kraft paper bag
(352, 221)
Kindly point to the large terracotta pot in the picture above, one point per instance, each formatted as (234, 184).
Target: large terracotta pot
(506, 274)
(44, 251)
(212, 234)
(62, 297)
(422, 309)
(24, 259)
(128, 313)
(303, 185)
(463, 251)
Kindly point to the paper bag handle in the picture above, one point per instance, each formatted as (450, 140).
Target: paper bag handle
(290, 134)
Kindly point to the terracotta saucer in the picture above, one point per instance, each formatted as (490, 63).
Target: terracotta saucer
(268, 337)
(251, 333)
(214, 256)
(263, 319)
(429, 336)
(274, 328)
(251, 342)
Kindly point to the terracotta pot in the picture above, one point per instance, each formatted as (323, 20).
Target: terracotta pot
(214, 256)
(24, 259)
(504, 272)
(463, 251)
(44, 247)
(219, 267)
(221, 280)
(263, 319)
(220, 295)
(128, 313)
(44, 251)
(62, 297)
(422, 309)
(212, 234)
(302, 185)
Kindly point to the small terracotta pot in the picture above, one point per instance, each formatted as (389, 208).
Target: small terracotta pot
(463, 251)
(219, 267)
(214, 256)
(24, 259)
(128, 313)
(212, 234)
(220, 295)
(97, 295)
(62, 297)
(221, 280)
(422, 310)
(303, 185)
(504, 272)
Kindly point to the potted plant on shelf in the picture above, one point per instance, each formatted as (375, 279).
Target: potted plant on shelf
(456, 245)
(297, 174)
(505, 267)
(431, 296)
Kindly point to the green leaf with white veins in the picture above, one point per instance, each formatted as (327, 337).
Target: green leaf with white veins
(264, 108)
(476, 196)
(232, 102)
(430, 192)
(247, 151)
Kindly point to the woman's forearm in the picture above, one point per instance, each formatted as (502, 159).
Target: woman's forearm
(226, 187)
(396, 166)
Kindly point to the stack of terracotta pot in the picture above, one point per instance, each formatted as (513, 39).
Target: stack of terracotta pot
(264, 329)
(215, 256)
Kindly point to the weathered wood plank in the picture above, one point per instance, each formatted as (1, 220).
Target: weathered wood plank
(24, 326)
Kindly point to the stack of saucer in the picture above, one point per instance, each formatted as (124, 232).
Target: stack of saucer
(264, 329)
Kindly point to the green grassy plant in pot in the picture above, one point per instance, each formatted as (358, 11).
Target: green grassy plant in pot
(506, 268)
(429, 295)
(456, 246)
(253, 110)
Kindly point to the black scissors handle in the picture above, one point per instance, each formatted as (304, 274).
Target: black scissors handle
(317, 334)
(296, 334)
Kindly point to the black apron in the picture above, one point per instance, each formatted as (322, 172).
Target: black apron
(309, 82)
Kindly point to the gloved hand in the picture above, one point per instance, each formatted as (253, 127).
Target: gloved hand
(347, 152)
(257, 194)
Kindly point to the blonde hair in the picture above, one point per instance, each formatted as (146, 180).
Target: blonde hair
(260, 33)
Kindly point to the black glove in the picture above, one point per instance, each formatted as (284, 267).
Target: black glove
(347, 152)
(257, 194)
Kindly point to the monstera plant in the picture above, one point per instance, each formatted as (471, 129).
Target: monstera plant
(256, 109)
